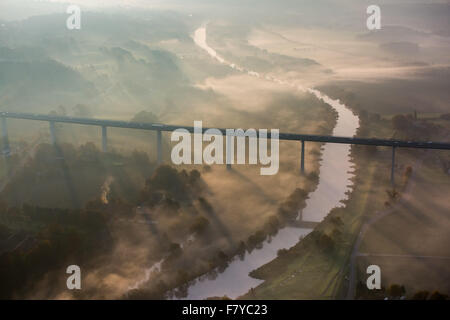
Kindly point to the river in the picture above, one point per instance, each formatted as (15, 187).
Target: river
(334, 182)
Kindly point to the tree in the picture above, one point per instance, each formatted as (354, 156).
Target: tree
(436, 295)
(80, 110)
(375, 117)
(363, 115)
(145, 116)
(337, 221)
(421, 295)
(140, 158)
(167, 180)
(89, 152)
(400, 122)
(282, 252)
(200, 225)
(194, 176)
(396, 290)
(4, 231)
(272, 224)
(324, 241)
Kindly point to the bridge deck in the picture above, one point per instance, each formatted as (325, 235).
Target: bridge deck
(282, 136)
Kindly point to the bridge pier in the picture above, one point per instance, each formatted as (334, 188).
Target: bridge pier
(52, 132)
(392, 168)
(159, 146)
(302, 159)
(104, 139)
(5, 139)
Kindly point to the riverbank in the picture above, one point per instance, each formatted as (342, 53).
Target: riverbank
(318, 266)
(315, 268)
(234, 280)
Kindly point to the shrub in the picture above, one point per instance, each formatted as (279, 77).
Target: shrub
(396, 290)
(199, 225)
(436, 295)
(421, 295)
(324, 241)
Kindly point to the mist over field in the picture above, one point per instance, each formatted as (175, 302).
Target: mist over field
(144, 230)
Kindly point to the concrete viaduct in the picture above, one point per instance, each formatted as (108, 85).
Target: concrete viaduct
(159, 128)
